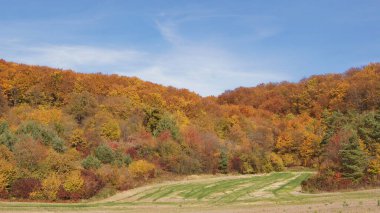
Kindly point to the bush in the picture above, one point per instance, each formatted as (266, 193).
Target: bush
(29, 154)
(59, 163)
(77, 139)
(81, 105)
(7, 174)
(65, 195)
(21, 188)
(104, 154)
(121, 159)
(329, 181)
(111, 130)
(50, 186)
(91, 162)
(92, 184)
(142, 169)
(167, 123)
(277, 163)
(7, 138)
(6, 154)
(38, 132)
(73, 182)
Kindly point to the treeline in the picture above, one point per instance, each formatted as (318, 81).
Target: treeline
(355, 90)
(67, 136)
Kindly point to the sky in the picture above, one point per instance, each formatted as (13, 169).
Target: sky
(206, 46)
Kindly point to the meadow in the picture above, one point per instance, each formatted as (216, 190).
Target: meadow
(273, 192)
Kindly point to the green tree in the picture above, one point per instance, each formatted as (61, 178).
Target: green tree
(121, 159)
(91, 162)
(167, 123)
(151, 119)
(104, 154)
(353, 159)
(223, 162)
(42, 133)
(7, 138)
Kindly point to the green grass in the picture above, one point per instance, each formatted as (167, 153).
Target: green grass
(277, 187)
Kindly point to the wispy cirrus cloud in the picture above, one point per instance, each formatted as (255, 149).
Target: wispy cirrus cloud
(203, 66)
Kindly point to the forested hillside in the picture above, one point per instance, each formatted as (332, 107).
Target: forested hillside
(67, 135)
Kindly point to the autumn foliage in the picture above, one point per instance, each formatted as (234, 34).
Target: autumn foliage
(66, 135)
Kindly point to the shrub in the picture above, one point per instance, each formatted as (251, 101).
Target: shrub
(142, 169)
(77, 139)
(81, 105)
(121, 159)
(59, 163)
(50, 186)
(8, 139)
(29, 153)
(247, 168)
(104, 154)
(73, 182)
(7, 174)
(92, 184)
(3, 184)
(91, 162)
(327, 181)
(167, 123)
(223, 163)
(38, 132)
(21, 188)
(111, 130)
(6, 154)
(277, 162)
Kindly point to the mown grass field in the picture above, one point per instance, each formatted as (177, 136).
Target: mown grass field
(259, 193)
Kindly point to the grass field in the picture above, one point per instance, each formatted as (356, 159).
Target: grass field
(274, 192)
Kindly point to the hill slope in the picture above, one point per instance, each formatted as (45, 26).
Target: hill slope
(67, 135)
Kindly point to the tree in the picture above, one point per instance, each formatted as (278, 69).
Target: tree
(374, 166)
(7, 138)
(91, 162)
(50, 186)
(81, 106)
(111, 130)
(7, 174)
(276, 162)
(29, 153)
(223, 162)
(353, 159)
(59, 163)
(42, 133)
(151, 119)
(22, 188)
(3, 103)
(73, 182)
(77, 139)
(141, 169)
(104, 154)
(167, 123)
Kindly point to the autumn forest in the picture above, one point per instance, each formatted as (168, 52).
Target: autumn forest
(69, 136)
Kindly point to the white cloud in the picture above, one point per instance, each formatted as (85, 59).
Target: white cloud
(205, 68)
(70, 56)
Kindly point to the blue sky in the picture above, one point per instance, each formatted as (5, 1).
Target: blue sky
(206, 46)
